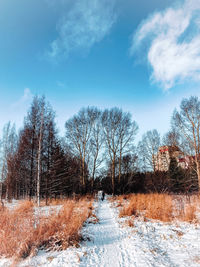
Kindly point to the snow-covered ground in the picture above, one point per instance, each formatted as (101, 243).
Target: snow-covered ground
(111, 242)
(45, 210)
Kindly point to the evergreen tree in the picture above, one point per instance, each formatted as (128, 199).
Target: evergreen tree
(191, 178)
(176, 176)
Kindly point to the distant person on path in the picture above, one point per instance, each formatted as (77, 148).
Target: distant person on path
(103, 195)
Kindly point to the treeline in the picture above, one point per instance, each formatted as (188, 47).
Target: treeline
(97, 152)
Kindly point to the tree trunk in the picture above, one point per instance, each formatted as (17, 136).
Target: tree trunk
(31, 174)
(46, 190)
(198, 174)
(6, 191)
(39, 158)
(1, 190)
(113, 176)
(120, 159)
(83, 176)
(38, 174)
(93, 173)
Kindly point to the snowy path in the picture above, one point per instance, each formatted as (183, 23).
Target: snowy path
(106, 248)
(146, 244)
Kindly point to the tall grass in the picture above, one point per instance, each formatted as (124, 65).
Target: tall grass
(22, 232)
(161, 207)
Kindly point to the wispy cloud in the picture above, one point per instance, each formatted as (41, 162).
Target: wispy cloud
(24, 100)
(84, 23)
(173, 43)
(60, 84)
(16, 111)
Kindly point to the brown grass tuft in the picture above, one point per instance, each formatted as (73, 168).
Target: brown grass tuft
(24, 207)
(188, 214)
(179, 233)
(23, 233)
(130, 223)
(93, 218)
(161, 207)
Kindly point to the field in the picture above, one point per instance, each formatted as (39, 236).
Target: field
(25, 228)
(129, 230)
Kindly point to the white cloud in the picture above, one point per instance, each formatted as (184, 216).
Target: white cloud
(84, 23)
(173, 38)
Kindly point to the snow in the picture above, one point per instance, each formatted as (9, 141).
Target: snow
(108, 241)
(111, 242)
(46, 210)
(11, 204)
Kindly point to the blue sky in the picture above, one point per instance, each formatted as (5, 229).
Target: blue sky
(142, 56)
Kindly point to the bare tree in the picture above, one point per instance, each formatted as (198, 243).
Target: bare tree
(8, 145)
(78, 133)
(32, 129)
(12, 144)
(128, 171)
(49, 144)
(34, 151)
(96, 142)
(39, 153)
(4, 153)
(171, 138)
(127, 131)
(148, 149)
(111, 123)
(119, 132)
(187, 123)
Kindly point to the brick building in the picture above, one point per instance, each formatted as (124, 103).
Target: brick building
(165, 153)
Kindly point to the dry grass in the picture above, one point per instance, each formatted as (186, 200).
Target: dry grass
(189, 214)
(119, 199)
(187, 208)
(160, 207)
(154, 206)
(62, 201)
(15, 229)
(130, 222)
(93, 218)
(51, 202)
(22, 233)
(25, 206)
(179, 233)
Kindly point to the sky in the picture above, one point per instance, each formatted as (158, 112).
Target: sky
(141, 56)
